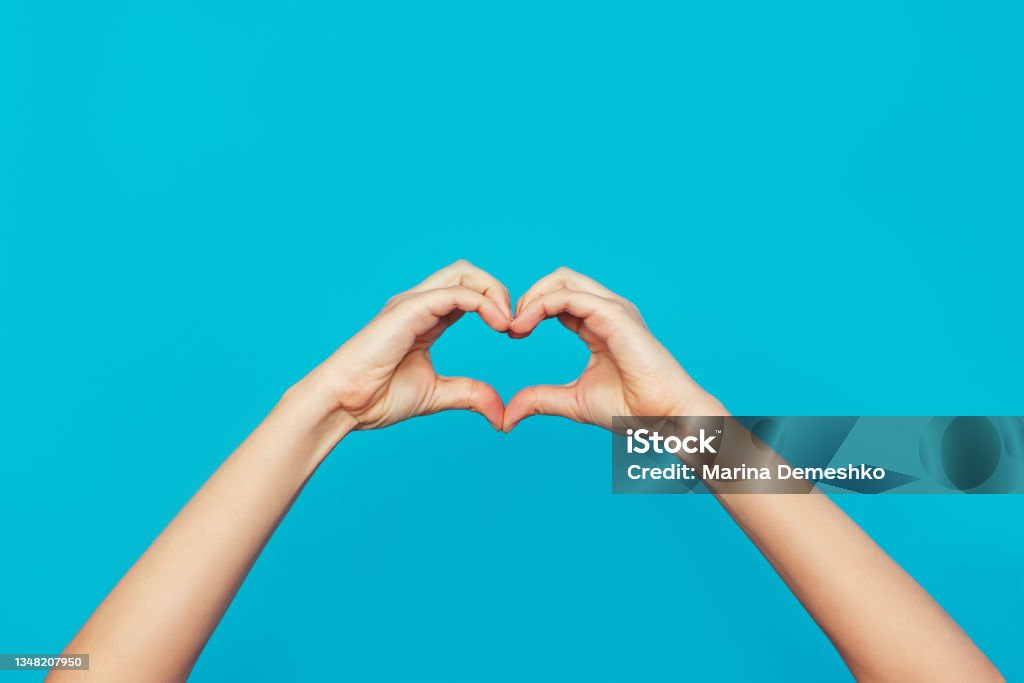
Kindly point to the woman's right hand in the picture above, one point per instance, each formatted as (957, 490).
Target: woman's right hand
(384, 374)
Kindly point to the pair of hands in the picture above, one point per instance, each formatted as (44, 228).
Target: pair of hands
(384, 374)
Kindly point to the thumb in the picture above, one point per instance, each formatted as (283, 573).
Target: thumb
(464, 393)
(542, 399)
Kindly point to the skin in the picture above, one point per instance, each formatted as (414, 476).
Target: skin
(155, 622)
(884, 625)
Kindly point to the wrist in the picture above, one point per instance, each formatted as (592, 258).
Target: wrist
(309, 409)
(699, 403)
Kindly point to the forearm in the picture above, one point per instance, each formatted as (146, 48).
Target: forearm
(155, 622)
(884, 625)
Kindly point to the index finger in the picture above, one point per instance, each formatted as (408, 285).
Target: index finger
(423, 310)
(595, 319)
(464, 274)
(564, 278)
(599, 313)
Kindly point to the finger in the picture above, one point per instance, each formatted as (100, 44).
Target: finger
(542, 399)
(599, 313)
(423, 311)
(564, 278)
(570, 322)
(464, 393)
(464, 273)
(443, 324)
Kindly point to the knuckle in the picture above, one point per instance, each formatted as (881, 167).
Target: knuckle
(616, 309)
(395, 300)
(536, 404)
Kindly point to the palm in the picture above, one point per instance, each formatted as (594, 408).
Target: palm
(384, 374)
(405, 393)
(599, 390)
(396, 386)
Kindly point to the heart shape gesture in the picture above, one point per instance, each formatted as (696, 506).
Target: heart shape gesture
(384, 374)
(184, 582)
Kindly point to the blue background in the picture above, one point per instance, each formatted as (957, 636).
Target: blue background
(817, 205)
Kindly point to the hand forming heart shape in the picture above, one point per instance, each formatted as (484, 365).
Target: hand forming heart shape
(384, 374)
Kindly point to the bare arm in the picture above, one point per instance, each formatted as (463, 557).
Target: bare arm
(884, 625)
(155, 622)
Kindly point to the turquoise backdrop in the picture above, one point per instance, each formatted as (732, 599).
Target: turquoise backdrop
(818, 206)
